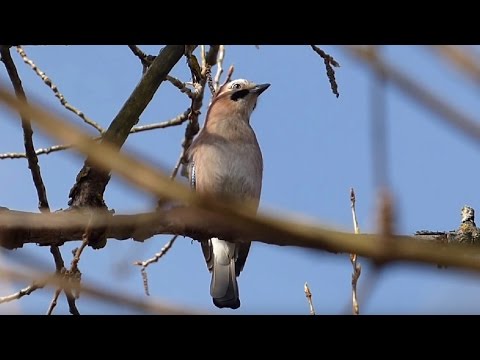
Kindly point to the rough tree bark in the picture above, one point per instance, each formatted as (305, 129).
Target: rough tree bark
(91, 182)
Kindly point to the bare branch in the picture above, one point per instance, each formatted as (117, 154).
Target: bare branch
(208, 60)
(138, 53)
(17, 228)
(101, 293)
(178, 120)
(27, 131)
(91, 181)
(57, 92)
(18, 295)
(73, 274)
(329, 62)
(158, 256)
(180, 86)
(53, 303)
(220, 58)
(145, 59)
(231, 69)
(357, 269)
(308, 295)
(57, 257)
(208, 74)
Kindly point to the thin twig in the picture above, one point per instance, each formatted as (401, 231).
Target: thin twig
(53, 303)
(178, 120)
(145, 59)
(192, 128)
(329, 62)
(218, 75)
(180, 86)
(59, 270)
(208, 74)
(57, 93)
(72, 306)
(30, 153)
(144, 264)
(138, 53)
(174, 173)
(308, 295)
(203, 56)
(357, 269)
(101, 293)
(73, 274)
(78, 253)
(19, 294)
(231, 69)
(57, 257)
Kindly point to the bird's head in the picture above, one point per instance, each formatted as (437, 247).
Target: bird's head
(237, 98)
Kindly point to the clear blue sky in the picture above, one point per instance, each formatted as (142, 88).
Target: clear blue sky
(315, 148)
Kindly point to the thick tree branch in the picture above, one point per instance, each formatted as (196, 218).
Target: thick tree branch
(90, 185)
(18, 228)
(225, 218)
(91, 181)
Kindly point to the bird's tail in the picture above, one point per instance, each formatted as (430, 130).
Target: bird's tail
(224, 287)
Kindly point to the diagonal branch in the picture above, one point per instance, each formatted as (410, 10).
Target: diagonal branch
(308, 295)
(91, 181)
(18, 295)
(181, 86)
(27, 131)
(144, 264)
(208, 60)
(33, 164)
(57, 92)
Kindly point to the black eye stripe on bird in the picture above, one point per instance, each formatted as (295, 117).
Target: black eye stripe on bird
(225, 159)
(240, 94)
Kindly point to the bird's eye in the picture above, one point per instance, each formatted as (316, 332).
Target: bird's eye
(236, 86)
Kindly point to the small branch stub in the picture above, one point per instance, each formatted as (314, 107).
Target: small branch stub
(308, 295)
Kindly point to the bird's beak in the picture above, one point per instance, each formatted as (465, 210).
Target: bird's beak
(260, 88)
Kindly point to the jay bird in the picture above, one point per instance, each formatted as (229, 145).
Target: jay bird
(225, 159)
